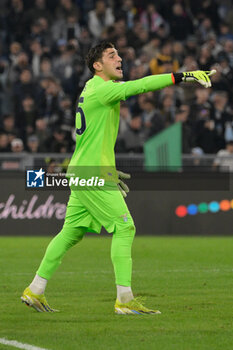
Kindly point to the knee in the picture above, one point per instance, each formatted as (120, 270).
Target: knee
(132, 230)
(127, 234)
(72, 236)
(128, 231)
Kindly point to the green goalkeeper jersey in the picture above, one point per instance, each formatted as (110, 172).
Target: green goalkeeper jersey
(97, 118)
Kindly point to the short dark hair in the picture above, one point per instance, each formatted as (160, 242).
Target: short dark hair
(96, 52)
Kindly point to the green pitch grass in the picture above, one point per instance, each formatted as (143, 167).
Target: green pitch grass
(190, 280)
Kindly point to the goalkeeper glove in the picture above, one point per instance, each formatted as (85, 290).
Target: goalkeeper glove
(202, 77)
(121, 185)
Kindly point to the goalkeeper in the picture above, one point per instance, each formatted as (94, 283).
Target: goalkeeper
(97, 121)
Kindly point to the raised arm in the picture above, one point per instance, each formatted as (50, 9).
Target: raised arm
(111, 92)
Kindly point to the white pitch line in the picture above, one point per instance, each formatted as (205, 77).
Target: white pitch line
(19, 345)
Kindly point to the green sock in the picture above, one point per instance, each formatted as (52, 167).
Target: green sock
(57, 248)
(121, 255)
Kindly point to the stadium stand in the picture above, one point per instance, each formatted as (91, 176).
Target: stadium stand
(42, 70)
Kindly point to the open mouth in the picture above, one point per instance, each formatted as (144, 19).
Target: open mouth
(119, 69)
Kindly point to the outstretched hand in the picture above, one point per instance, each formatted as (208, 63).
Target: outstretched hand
(201, 76)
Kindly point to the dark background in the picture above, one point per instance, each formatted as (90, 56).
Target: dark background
(153, 210)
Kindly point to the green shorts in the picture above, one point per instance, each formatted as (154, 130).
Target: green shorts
(95, 208)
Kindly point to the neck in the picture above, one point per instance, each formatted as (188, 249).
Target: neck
(103, 76)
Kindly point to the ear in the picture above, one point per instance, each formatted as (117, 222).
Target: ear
(97, 66)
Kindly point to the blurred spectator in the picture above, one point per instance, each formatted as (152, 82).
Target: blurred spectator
(122, 45)
(25, 87)
(63, 64)
(180, 23)
(128, 11)
(17, 146)
(4, 142)
(45, 34)
(221, 114)
(174, 92)
(36, 53)
(21, 62)
(189, 64)
(33, 144)
(205, 29)
(49, 108)
(228, 135)
(42, 133)
(37, 11)
(151, 20)
(46, 68)
(191, 46)
(66, 114)
(15, 49)
(228, 48)
(136, 36)
(118, 29)
(40, 31)
(167, 109)
(178, 51)
(128, 61)
(26, 117)
(207, 8)
(52, 166)
(219, 81)
(197, 154)
(153, 121)
(152, 48)
(205, 60)
(67, 29)
(201, 106)
(133, 137)
(163, 33)
(65, 9)
(213, 46)
(224, 32)
(224, 158)
(43, 45)
(99, 18)
(8, 125)
(229, 18)
(85, 42)
(125, 119)
(226, 71)
(182, 115)
(72, 27)
(206, 137)
(57, 142)
(16, 21)
(164, 61)
(4, 95)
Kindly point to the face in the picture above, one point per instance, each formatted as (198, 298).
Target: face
(109, 67)
(3, 141)
(25, 76)
(9, 122)
(230, 147)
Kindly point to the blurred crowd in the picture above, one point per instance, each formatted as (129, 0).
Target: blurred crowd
(43, 45)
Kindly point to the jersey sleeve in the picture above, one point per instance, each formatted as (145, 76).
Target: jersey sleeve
(112, 92)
